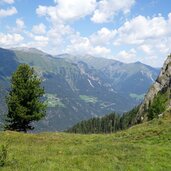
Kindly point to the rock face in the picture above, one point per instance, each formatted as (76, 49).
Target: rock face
(162, 82)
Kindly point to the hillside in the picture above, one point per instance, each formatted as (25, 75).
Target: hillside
(80, 89)
(158, 92)
(132, 79)
(142, 147)
(155, 103)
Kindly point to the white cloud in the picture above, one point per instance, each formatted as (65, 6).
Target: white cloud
(66, 10)
(39, 29)
(41, 38)
(101, 51)
(42, 10)
(53, 40)
(39, 42)
(145, 48)
(19, 28)
(8, 12)
(20, 23)
(96, 44)
(141, 29)
(103, 37)
(100, 11)
(59, 39)
(146, 38)
(107, 9)
(155, 47)
(150, 37)
(36, 44)
(127, 56)
(7, 1)
(75, 9)
(64, 37)
(82, 45)
(10, 39)
(144, 35)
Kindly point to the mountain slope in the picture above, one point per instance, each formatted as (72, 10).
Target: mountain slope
(156, 102)
(79, 90)
(142, 147)
(132, 79)
(162, 85)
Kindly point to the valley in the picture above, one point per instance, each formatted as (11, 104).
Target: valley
(79, 87)
(85, 85)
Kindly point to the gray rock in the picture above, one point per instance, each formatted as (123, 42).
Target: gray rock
(163, 81)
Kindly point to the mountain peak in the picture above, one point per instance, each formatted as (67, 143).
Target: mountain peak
(138, 62)
(29, 49)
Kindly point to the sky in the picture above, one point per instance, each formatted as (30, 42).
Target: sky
(124, 30)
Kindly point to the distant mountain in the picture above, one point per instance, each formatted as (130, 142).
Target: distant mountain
(80, 87)
(157, 103)
(131, 79)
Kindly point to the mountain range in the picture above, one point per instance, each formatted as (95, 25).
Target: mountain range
(79, 87)
(156, 104)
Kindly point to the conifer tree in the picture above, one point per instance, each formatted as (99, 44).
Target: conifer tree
(24, 101)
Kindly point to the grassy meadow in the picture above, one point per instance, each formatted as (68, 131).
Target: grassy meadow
(143, 147)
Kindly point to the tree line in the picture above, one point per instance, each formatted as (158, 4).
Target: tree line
(107, 124)
(114, 122)
(26, 105)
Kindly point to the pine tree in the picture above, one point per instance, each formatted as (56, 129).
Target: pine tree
(24, 101)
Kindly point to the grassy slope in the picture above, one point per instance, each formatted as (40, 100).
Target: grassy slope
(143, 147)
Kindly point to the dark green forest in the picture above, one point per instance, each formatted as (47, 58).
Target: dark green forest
(107, 124)
(114, 122)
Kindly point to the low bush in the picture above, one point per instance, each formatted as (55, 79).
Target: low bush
(3, 155)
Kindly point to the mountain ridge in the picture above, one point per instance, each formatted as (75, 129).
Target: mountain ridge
(157, 102)
(77, 90)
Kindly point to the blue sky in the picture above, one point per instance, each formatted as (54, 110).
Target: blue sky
(127, 30)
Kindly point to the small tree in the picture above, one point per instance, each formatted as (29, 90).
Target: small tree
(24, 101)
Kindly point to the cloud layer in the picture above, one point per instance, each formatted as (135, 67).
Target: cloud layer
(138, 38)
(7, 1)
(7, 12)
(107, 9)
(65, 10)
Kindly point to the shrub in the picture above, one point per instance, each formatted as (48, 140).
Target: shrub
(158, 105)
(3, 155)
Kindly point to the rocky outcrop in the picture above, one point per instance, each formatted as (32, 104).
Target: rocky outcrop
(162, 82)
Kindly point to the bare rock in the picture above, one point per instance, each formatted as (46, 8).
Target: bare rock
(163, 81)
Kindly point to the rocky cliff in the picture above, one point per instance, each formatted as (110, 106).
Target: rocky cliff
(163, 82)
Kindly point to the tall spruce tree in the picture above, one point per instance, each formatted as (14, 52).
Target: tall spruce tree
(24, 101)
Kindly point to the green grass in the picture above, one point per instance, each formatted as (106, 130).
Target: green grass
(53, 101)
(137, 96)
(88, 99)
(146, 147)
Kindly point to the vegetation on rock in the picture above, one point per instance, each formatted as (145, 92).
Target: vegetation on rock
(159, 105)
